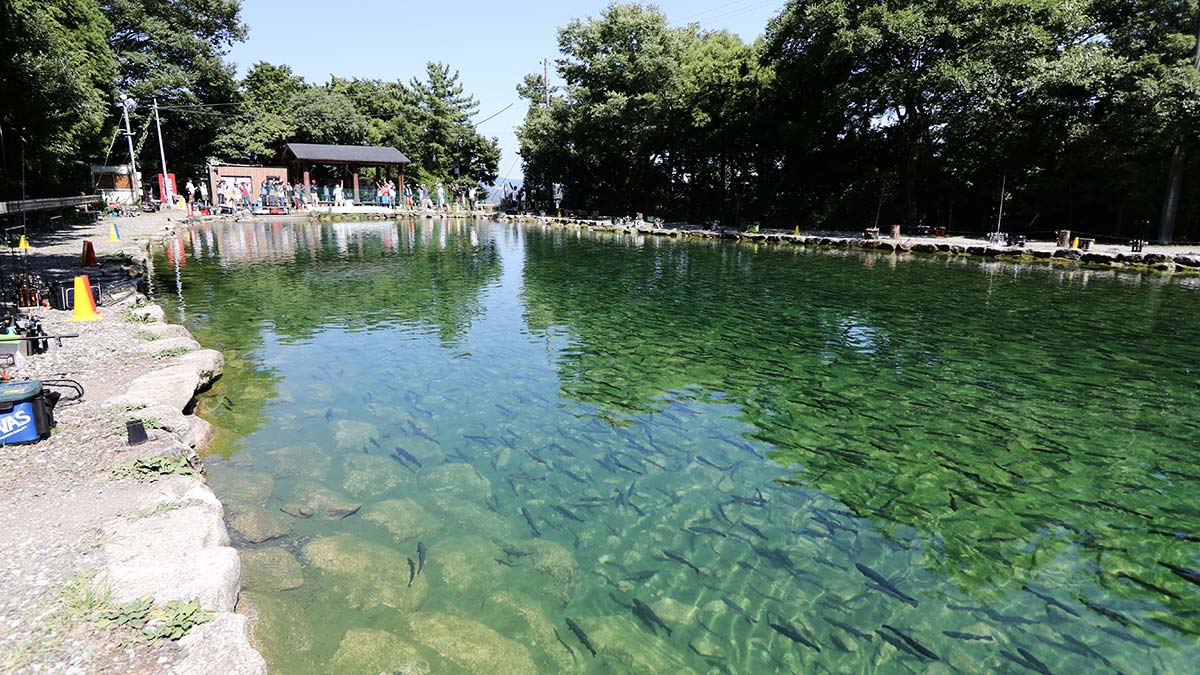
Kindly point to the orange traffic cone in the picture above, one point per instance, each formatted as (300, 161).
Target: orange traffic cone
(89, 255)
(85, 302)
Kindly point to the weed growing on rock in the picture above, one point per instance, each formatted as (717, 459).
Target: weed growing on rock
(150, 468)
(173, 351)
(134, 614)
(171, 622)
(161, 507)
(137, 317)
(147, 336)
(93, 539)
(83, 594)
(175, 620)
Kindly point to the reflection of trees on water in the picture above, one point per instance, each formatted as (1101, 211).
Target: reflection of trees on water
(296, 280)
(1014, 424)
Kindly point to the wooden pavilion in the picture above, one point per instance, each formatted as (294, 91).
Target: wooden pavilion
(304, 155)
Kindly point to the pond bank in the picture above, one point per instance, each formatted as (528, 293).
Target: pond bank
(1168, 259)
(91, 523)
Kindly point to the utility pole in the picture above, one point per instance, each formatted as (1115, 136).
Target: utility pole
(21, 135)
(1000, 215)
(126, 105)
(546, 79)
(1166, 230)
(168, 191)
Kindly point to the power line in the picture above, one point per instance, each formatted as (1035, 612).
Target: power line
(743, 10)
(497, 114)
(710, 10)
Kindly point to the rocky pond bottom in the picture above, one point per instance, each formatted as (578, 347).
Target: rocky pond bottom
(467, 447)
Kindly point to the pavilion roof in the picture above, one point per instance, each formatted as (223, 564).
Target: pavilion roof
(363, 155)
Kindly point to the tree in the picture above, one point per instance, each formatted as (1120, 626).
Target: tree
(55, 79)
(448, 147)
(1184, 131)
(173, 51)
(261, 121)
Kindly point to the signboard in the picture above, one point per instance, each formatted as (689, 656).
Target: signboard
(166, 188)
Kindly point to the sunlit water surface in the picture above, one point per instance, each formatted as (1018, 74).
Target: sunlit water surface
(699, 456)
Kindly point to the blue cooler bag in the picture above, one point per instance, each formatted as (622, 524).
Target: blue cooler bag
(24, 414)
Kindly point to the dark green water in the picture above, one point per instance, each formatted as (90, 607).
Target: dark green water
(906, 465)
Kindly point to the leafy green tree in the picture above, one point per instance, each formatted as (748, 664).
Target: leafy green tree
(448, 148)
(55, 80)
(652, 118)
(261, 122)
(173, 51)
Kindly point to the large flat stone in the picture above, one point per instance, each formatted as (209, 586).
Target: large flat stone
(220, 646)
(172, 386)
(177, 552)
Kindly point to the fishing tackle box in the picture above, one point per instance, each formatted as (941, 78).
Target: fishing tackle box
(26, 412)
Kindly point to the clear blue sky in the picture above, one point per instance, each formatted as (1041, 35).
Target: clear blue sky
(492, 44)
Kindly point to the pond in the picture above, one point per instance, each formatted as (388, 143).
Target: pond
(466, 446)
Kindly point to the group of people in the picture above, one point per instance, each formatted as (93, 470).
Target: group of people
(278, 193)
(273, 193)
(420, 196)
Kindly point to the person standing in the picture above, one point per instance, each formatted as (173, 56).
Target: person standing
(190, 191)
(203, 192)
(441, 197)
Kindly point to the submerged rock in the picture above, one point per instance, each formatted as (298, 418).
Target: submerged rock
(370, 476)
(455, 512)
(241, 488)
(312, 499)
(354, 435)
(257, 525)
(460, 480)
(279, 628)
(270, 569)
(674, 612)
(470, 645)
(304, 461)
(405, 519)
(556, 562)
(365, 575)
(518, 616)
(705, 646)
(467, 565)
(625, 642)
(366, 650)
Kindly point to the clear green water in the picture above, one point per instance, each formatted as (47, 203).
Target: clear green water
(1012, 449)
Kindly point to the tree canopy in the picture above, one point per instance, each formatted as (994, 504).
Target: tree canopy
(66, 63)
(915, 112)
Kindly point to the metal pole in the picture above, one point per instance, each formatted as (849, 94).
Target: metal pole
(999, 216)
(546, 79)
(133, 182)
(23, 207)
(168, 188)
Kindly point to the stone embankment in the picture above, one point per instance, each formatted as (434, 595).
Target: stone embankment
(86, 527)
(1172, 259)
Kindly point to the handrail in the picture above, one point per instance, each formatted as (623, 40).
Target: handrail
(46, 204)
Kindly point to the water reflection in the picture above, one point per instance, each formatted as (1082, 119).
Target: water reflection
(710, 457)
